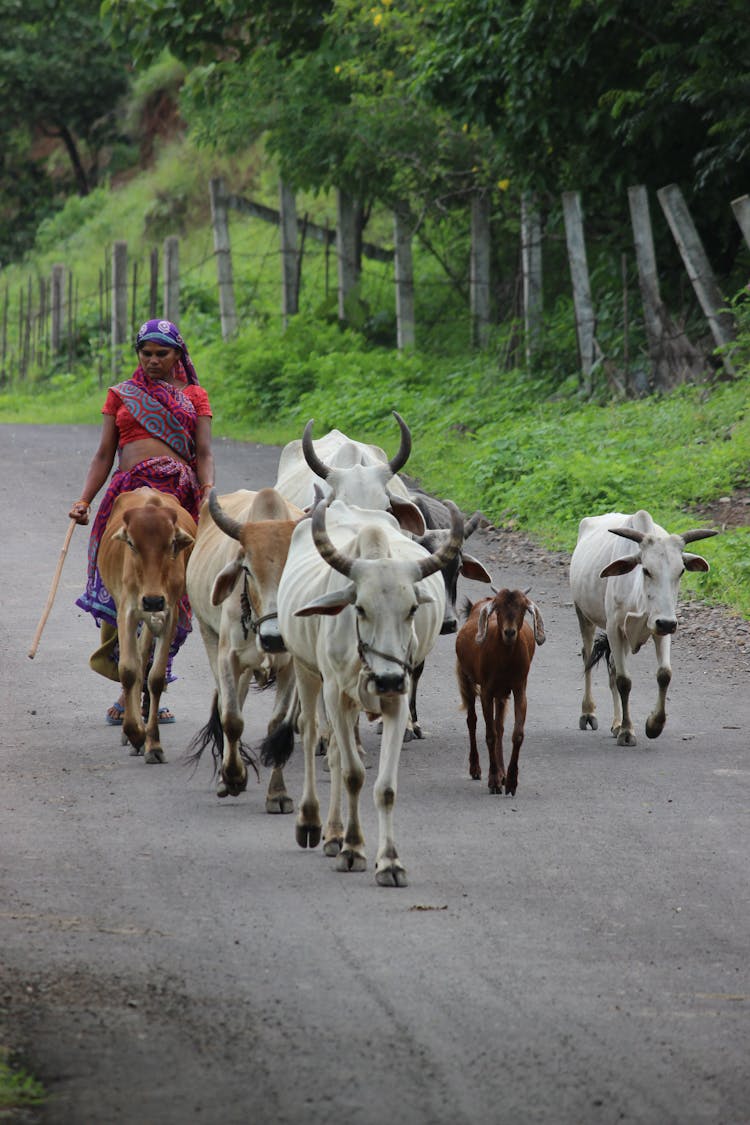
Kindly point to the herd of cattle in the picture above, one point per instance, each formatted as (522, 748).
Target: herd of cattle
(332, 586)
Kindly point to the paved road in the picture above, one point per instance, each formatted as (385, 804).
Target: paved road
(576, 954)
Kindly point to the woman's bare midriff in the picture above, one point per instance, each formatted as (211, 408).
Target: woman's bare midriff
(137, 451)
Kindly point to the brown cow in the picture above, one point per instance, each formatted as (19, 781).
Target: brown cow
(494, 650)
(142, 557)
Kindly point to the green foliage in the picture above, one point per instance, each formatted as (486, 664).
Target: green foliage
(71, 218)
(18, 1089)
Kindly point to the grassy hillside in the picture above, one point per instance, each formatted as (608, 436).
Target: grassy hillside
(528, 451)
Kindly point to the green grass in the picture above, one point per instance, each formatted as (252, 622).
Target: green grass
(18, 1090)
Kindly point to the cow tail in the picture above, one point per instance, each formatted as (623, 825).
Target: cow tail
(276, 748)
(212, 734)
(600, 650)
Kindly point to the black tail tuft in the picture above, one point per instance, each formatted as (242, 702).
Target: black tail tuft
(276, 748)
(600, 650)
(466, 608)
(212, 734)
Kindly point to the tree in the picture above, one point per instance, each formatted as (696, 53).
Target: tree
(60, 79)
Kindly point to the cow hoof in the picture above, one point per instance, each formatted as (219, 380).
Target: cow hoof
(321, 748)
(155, 757)
(308, 835)
(279, 804)
(626, 738)
(391, 877)
(333, 846)
(495, 789)
(349, 860)
(231, 786)
(588, 721)
(135, 751)
(654, 729)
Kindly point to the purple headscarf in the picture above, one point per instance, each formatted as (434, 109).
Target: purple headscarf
(167, 333)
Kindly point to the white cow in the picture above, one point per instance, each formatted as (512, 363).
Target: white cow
(232, 582)
(351, 471)
(360, 606)
(632, 596)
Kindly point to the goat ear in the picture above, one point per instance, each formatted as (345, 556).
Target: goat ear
(539, 634)
(484, 614)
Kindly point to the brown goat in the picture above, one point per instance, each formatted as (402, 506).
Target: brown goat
(494, 650)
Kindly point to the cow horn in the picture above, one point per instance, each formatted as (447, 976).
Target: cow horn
(472, 524)
(222, 520)
(628, 533)
(399, 460)
(450, 549)
(696, 533)
(318, 467)
(325, 547)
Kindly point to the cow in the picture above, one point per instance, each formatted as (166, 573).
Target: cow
(494, 650)
(232, 581)
(142, 556)
(360, 606)
(631, 596)
(351, 471)
(361, 475)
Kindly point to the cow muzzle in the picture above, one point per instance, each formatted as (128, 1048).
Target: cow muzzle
(153, 603)
(664, 626)
(271, 642)
(450, 625)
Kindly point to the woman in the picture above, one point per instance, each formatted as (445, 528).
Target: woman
(159, 421)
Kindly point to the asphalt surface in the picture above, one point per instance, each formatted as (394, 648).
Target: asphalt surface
(577, 953)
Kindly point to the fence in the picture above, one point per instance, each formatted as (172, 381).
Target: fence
(45, 325)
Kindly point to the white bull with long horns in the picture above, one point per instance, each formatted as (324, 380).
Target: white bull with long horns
(360, 606)
(348, 470)
(633, 597)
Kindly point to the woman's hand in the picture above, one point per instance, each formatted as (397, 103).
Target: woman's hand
(80, 512)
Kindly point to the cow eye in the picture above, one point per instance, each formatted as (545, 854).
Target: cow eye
(413, 610)
(646, 573)
(360, 612)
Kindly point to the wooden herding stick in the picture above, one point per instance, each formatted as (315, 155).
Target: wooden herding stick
(52, 591)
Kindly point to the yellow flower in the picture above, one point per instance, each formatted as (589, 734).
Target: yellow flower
(464, 128)
(503, 184)
(337, 68)
(377, 19)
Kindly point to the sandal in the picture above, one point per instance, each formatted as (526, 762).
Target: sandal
(113, 716)
(164, 715)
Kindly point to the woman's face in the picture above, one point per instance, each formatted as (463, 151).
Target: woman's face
(157, 359)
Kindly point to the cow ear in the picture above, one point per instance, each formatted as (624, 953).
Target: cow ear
(473, 569)
(408, 515)
(122, 535)
(225, 581)
(329, 604)
(182, 539)
(695, 562)
(621, 566)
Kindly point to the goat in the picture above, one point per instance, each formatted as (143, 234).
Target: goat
(494, 650)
